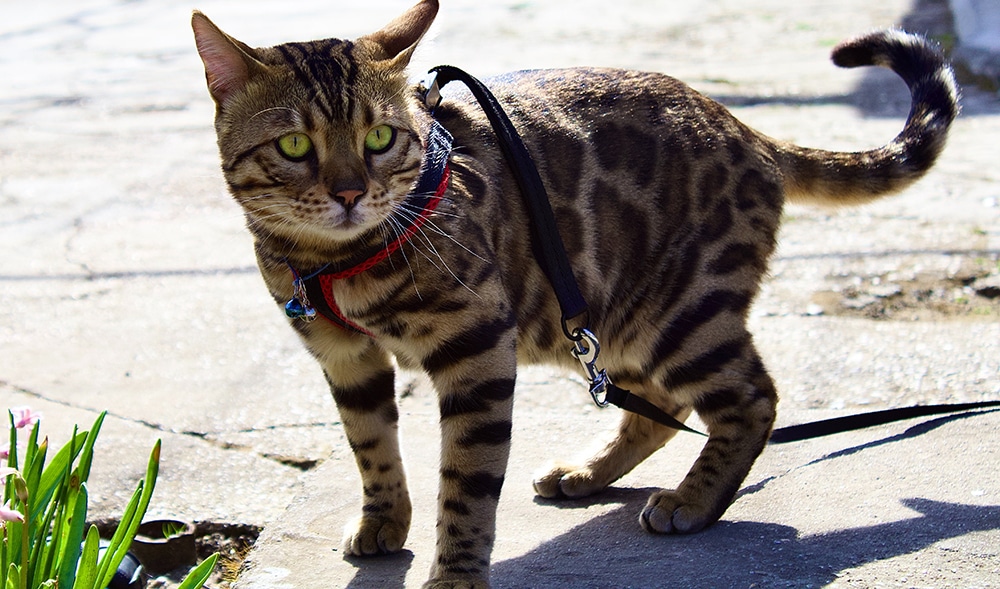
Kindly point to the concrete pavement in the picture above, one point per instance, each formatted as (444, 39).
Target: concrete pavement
(126, 284)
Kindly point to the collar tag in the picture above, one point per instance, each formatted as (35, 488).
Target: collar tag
(298, 307)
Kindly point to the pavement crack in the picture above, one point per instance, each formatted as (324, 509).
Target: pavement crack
(213, 438)
(41, 396)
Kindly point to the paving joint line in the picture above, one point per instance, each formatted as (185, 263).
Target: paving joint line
(207, 437)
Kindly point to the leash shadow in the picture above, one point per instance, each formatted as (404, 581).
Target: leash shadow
(911, 432)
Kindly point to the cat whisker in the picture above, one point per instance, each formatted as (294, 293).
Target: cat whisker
(398, 230)
(435, 228)
(424, 238)
(420, 210)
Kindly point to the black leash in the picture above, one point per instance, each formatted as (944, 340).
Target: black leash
(551, 255)
(545, 240)
(548, 246)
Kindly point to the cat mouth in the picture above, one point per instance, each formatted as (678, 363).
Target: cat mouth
(347, 225)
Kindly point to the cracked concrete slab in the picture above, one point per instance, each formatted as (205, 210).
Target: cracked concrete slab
(127, 284)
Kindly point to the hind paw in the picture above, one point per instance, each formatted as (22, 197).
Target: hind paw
(669, 512)
(563, 481)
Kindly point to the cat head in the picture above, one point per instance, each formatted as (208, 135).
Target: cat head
(320, 141)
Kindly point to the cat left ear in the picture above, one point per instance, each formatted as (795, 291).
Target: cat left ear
(399, 39)
(228, 63)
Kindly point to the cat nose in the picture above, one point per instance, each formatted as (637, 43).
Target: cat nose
(348, 197)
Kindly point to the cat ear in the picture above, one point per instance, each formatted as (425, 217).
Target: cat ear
(228, 63)
(399, 39)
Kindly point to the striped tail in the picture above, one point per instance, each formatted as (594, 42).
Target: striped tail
(840, 178)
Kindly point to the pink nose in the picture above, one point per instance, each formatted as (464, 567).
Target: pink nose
(348, 196)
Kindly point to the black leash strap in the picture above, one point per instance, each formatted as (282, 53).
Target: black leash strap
(547, 244)
(551, 256)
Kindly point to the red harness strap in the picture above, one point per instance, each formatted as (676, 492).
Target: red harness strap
(326, 281)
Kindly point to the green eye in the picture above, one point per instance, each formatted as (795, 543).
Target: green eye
(295, 146)
(380, 139)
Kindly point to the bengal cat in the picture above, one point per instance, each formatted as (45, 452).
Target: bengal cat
(668, 207)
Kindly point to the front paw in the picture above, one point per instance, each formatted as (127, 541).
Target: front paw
(369, 536)
(563, 481)
(669, 512)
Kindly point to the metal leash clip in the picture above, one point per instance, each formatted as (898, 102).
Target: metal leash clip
(430, 90)
(586, 349)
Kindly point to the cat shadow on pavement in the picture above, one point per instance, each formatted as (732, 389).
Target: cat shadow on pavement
(611, 551)
(598, 553)
(385, 572)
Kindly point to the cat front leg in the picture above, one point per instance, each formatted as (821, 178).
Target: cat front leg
(363, 388)
(474, 374)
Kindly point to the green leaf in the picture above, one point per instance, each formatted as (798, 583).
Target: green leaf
(14, 533)
(69, 524)
(44, 544)
(197, 577)
(86, 574)
(13, 577)
(12, 456)
(69, 548)
(55, 473)
(87, 456)
(170, 529)
(31, 449)
(119, 539)
(130, 522)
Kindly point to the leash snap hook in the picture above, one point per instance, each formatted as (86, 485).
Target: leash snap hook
(586, 348)
(430, 90)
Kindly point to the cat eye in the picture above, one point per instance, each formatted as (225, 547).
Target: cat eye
(295, 146)
(380, 139)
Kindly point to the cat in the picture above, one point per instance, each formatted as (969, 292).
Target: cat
(414, 250)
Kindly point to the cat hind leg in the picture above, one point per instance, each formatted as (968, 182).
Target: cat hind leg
(636, 439)
(738, 406)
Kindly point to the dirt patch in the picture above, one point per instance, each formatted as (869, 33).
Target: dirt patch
(232, 541)
(971, 292)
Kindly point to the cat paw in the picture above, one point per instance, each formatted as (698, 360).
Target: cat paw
(563, 481)
(370, 536)
(668, 512)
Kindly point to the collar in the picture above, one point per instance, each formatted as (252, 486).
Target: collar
(314, 293)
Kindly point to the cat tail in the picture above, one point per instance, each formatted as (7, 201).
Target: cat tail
(839, 178)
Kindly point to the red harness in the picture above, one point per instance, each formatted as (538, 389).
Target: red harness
(326, 280)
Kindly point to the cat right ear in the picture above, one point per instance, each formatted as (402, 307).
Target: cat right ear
(228, 63)
(397, 40)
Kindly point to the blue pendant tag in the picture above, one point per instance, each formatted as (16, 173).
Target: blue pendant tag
(298, 306)
(296, 310)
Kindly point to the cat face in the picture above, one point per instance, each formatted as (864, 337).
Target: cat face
(320, 141)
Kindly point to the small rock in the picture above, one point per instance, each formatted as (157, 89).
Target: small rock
(989, 292)
(859, 302)
(988, 286)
